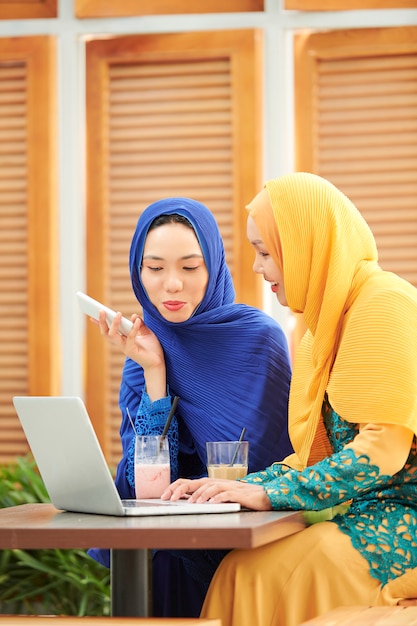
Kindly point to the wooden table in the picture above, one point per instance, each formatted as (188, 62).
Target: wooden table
(367, 616)
(69, 620)
(41, 526)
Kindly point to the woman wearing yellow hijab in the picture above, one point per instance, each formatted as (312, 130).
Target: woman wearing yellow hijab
(352, 420)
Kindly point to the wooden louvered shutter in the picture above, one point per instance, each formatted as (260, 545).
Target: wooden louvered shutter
(357, 126)
(27, 9)
(109, 8)
(168, 115)
(29, 353)
(347, 5)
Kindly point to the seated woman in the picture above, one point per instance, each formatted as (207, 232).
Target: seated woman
(227, 362)
(352, 420)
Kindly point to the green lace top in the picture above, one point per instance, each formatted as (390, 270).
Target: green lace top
(382, 518)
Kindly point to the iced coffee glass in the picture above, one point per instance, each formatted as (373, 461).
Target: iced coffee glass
(152, 467)
(227, 459)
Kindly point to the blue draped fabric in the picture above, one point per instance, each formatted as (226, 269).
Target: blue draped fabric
(228, 363)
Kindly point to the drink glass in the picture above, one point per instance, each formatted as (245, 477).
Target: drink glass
(152, 467)
(227, 459)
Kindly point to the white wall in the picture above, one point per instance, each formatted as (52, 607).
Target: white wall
(278, 27)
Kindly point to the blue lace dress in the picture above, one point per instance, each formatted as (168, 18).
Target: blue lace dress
(382, 517)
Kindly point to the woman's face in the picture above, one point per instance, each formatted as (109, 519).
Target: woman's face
(173, 271)
(264, 264)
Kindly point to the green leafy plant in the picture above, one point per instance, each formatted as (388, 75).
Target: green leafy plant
(56, 582)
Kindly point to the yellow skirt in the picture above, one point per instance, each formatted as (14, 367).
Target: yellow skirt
(292, 580)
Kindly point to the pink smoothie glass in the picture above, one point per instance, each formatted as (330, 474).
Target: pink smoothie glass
(152, 468)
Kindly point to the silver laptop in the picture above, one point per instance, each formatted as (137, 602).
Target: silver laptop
(72, 464)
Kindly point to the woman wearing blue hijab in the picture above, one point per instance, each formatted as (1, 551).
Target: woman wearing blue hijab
(228, 363)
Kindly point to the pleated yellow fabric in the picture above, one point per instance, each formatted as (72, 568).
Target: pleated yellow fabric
(292, 580)
(329, 260)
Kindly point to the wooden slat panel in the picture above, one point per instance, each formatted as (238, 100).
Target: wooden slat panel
(28, 9)
(359, 129)
(14, 373)
(110, 8)
(377, 163)
(347, 5)
(197, 104)
(174, 169)
(164, 125)
(28, 333)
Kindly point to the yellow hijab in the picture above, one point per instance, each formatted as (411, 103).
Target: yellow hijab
(361, 342)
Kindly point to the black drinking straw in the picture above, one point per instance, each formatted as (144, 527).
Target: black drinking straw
(242, 434)
(168, 422)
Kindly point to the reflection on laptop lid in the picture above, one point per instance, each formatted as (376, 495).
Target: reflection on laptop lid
(72, 464)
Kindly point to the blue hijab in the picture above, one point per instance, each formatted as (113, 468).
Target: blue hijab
(228, 363)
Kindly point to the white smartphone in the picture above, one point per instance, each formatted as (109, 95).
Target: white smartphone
(92, 307)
